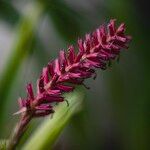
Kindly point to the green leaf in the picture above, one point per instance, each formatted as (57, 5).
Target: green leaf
(49, 130)
(21, 49)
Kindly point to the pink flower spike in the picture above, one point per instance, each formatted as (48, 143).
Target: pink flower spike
(43, 113)
(57, 67)
(62, 60)
(72, 67)
(54, 92)
(65, 88)
(45, 75)
(30, 91)
(51, 69)
(71, 55)
(111, 27)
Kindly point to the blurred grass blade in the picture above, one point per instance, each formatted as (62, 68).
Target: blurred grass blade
(22, 47)
(65, 19)
(8, 13)
(3, 144)
(47, 133)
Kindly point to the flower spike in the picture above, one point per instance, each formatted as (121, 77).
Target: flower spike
(71, 68)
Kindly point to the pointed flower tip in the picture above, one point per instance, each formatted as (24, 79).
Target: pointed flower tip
(22, 110)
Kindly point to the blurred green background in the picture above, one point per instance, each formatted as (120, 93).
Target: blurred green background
(116, 113)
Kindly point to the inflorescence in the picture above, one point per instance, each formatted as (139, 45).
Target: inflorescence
(71, 68)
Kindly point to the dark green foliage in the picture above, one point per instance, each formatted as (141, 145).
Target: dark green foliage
(8, 13)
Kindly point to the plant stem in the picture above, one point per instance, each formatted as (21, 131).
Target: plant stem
(19, 130)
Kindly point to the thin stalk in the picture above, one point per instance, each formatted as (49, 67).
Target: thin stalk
(19, 131)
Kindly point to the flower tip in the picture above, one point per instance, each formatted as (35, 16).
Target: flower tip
(23, 109)
(113, 20)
